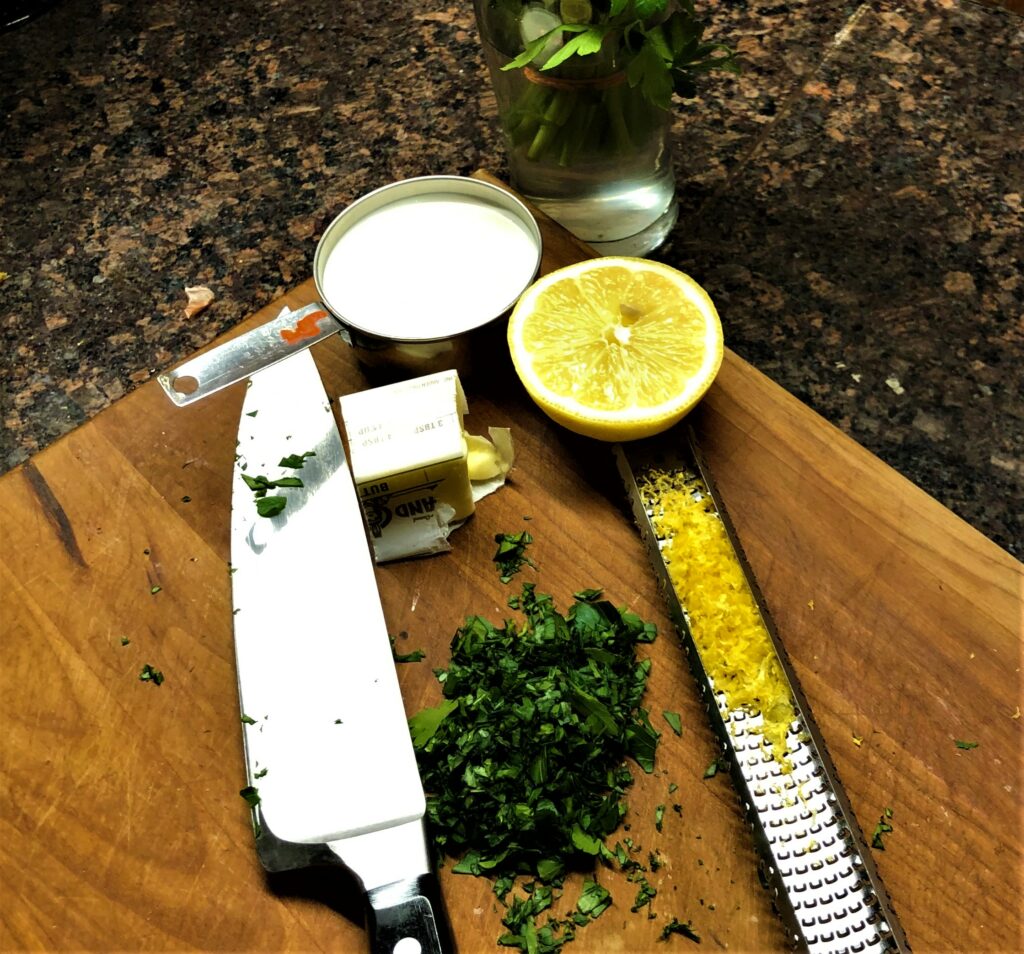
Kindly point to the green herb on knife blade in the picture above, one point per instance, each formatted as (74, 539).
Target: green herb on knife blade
(295, 461)
(270, 506)
(260, 485)
(248, 719)
(289, 482)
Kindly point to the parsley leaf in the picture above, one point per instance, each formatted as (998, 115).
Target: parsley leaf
(594, 900)
(882, 828)
(415, 656)
(644, 895)
(270, 506)
(960, 744)
(149, 674)
(261, 484)
(673, 719)
(511, 553)
(295, 461)
(642, 741)
(589, 41)
(251, 795)
(675, 926)
(425, 723)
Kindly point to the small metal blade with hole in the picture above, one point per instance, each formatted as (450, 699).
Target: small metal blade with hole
(330, 760)
(812, 853)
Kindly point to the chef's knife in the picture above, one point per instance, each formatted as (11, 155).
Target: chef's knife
(331, 765)
(813, 857)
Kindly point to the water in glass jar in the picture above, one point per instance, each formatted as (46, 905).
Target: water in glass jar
(590, 152)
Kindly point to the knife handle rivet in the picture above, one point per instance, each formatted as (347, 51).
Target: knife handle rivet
(407, 945)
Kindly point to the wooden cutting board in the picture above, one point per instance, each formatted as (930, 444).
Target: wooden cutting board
(120, 821)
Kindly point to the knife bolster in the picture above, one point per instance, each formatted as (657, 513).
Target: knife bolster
(412, 908)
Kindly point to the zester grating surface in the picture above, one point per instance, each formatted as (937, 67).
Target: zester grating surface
(813, 857)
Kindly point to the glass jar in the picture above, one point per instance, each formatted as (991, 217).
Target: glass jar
(583, 145)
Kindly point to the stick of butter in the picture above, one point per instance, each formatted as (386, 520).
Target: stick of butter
(408, 453)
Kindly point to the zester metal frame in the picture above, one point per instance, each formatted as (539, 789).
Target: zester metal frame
(813, 856)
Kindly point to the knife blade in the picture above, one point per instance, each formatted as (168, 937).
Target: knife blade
(812, 853)
(330, 762)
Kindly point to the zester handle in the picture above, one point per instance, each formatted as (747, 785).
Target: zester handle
(413, 910)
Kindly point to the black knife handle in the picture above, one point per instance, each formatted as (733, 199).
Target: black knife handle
(409, 909)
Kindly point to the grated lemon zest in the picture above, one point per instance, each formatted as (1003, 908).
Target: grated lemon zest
(735, 647)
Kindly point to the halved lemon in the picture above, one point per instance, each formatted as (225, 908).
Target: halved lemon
(616, 348)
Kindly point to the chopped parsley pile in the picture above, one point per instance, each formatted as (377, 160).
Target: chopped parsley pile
(536, 723)
(525, 760)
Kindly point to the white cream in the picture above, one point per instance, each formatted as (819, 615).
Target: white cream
(428, 267)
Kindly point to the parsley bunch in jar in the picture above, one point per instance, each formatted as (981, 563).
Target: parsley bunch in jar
(584, 90)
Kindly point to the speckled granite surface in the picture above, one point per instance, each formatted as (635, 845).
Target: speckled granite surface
(853, 202)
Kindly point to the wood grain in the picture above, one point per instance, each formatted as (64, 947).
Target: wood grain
(120, 823)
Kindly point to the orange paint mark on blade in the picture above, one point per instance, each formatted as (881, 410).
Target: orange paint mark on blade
(308, 327)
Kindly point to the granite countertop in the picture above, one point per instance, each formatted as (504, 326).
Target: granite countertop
(854, 202)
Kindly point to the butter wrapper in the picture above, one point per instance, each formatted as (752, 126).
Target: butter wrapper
(410, 460)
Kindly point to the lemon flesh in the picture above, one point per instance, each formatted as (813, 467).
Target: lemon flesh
(616, 348)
